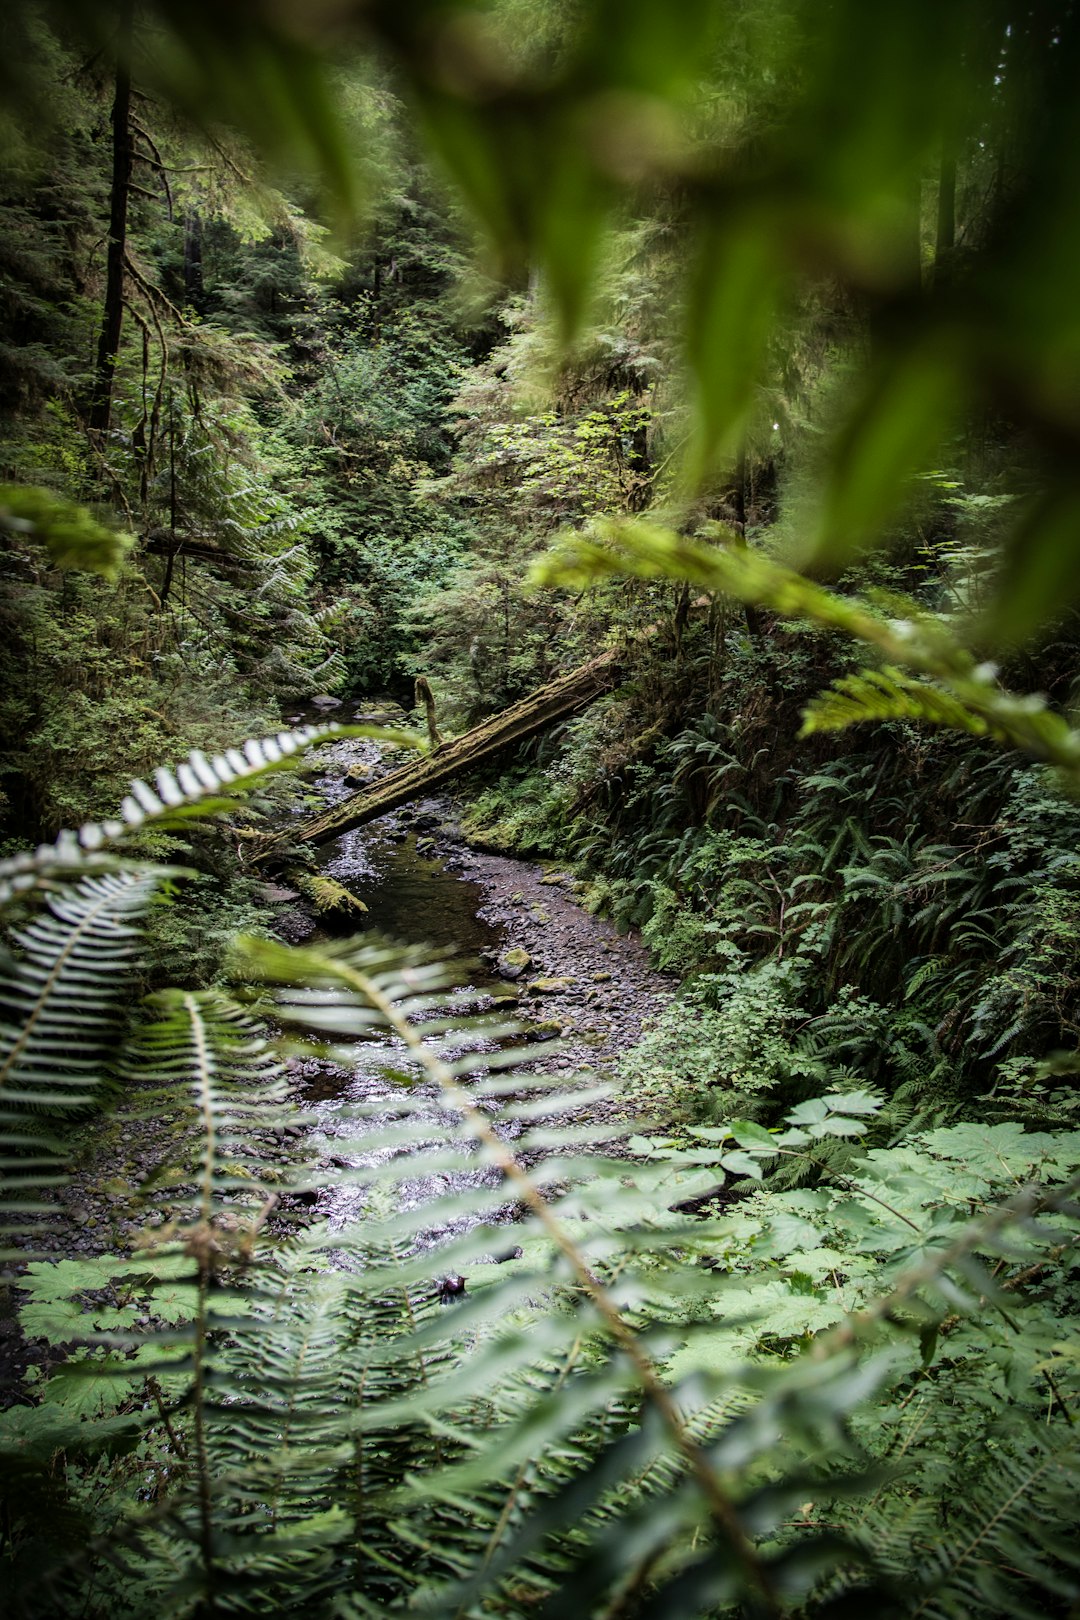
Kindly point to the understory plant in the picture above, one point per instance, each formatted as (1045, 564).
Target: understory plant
(686, 1391)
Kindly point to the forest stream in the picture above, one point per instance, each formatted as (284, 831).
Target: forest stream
(526, 948)
(672, 412)
(525, 945)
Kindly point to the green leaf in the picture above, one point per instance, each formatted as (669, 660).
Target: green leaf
(731, 304)
(747, 1134)
(856, 1102)
(91, 1388)
(74, 538)
(893, 429)
(835, 1126)
(785, 1233)
(888, 694)
(1041, 573)
(811, 1112)
(742, 1164)
(36, 1433)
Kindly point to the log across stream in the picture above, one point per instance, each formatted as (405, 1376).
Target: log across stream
(560, 699)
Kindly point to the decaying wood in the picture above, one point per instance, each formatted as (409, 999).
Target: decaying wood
(561, 698)
(423, 694)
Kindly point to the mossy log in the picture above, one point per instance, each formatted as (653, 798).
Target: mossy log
(561, 698)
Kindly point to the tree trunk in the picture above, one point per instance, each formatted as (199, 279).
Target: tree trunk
(945, 240)
(561, 698)
(637, 466)
(910, 244)
(751, 614)
(122, 158)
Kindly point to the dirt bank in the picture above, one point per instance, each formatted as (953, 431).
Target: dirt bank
(598, 986)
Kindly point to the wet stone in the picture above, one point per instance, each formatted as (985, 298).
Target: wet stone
(294, 926)
(275, 894)
(513, 963)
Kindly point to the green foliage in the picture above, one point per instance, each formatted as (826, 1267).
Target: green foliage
(206, 622)
(363, 446)
(546, 142)
(70, 534)
(64, 1001)
(525, 815)
(888, 694)
(639, 1397)
(70, 968)
(917, 639)
(939, 1542)
(851, 1382)
(743, 1049)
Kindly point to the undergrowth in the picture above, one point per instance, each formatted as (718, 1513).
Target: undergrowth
(691, 1380)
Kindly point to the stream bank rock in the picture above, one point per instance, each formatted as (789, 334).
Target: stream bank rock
(512, 964)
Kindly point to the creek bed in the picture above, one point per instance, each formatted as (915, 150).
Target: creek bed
(421, 884)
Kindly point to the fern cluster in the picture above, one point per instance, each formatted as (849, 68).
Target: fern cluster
(689, 1391)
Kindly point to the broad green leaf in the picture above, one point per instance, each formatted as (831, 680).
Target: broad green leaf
(1041, 573)
(37, 1433)
(73, 537)
(749, 1135)
(856, 1102)
(893, 428)
(91, 1388)
(742, 1164)
(635, 45)
(811, 1112)
(730, 309)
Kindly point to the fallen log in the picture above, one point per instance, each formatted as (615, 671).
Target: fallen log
(556, 701)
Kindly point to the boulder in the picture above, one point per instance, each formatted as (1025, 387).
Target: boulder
(275, 894)
(512, 963)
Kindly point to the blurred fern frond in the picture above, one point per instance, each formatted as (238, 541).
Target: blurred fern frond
(64, 989)
(888, 694)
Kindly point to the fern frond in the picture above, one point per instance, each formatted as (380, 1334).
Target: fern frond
(920, 641)
(68, 977)
(204, 1060)
(63, 1006)
(995, 1545)
(579, 1215)
(198, 787)
(888, 694)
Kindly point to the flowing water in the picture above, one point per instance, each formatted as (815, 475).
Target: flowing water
(413, 898)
